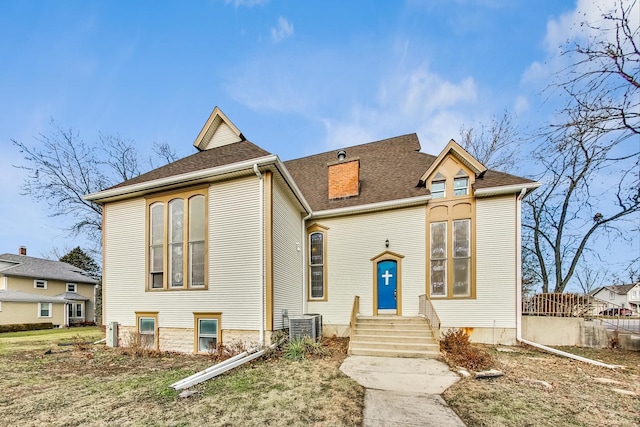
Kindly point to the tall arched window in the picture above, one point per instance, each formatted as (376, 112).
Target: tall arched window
(196, 241)
(317, 263)
(177, 240)
(156, 245)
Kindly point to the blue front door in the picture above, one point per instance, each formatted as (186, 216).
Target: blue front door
(387, 284)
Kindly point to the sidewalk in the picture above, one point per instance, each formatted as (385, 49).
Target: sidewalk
(403, 392)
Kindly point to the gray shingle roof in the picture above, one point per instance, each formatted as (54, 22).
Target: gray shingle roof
(620, 289)
(219, 156)
(37, 268)
(16, 296)
(389, 170)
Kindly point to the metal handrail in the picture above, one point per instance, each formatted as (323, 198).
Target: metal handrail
(354, 314)
(426, 309)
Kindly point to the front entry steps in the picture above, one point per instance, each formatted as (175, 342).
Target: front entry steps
(393, 336)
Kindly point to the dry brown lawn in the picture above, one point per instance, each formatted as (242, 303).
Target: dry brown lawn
(92, 385)
(577, 394)
(79, 385)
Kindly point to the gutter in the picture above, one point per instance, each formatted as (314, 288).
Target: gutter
(371, 207)
(519, 338)
(118, 192)
(220, 368)
(262, 243)
(506, 189)
(304, 262)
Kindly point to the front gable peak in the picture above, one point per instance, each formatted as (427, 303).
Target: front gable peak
(217, 131)
(462, 155)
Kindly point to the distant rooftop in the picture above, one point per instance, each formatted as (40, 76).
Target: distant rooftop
(38, 268)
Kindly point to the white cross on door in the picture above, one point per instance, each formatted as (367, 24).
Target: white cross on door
(386, 276)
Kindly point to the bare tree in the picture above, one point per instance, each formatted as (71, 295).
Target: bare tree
(62, 168)
(590, 173)
(590, 279)
(587, 190)
(603, 77)
(164, 152)
(495, 145)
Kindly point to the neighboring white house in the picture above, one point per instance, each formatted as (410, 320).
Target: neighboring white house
(626, 296)
(231, 242)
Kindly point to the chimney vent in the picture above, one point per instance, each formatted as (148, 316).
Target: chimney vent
(22, 250)
(341, 155)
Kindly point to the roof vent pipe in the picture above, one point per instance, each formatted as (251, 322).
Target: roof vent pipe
(341, 155)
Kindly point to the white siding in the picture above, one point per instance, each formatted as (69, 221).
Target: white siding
(351, 243)
(495, 271)
(233, 257)
(124, 260)
(287, 257)
(223, 135)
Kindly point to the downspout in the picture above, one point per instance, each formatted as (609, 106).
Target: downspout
(519, 295)
(262, 243)
(304, 262)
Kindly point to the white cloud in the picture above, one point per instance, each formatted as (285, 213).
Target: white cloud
(521, 104)
(282, 31)
(571, 27)
(416, 101)
(246, 3)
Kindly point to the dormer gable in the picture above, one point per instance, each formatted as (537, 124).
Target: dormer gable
(452, 173)
(462, 155)
(217, 131)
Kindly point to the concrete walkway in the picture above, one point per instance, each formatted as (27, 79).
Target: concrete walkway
(403, 392)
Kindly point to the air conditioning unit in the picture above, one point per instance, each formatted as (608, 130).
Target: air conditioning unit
(309, 326)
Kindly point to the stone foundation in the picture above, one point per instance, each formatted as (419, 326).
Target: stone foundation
(182, 339)
(337, 330)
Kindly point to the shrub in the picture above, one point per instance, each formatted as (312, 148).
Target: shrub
(222, 352)
(460, 351)
(133, 345)
(303, 348)
(25, 327)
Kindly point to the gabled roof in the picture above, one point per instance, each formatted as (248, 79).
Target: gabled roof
(392, 171)
(458, 152)
(37, 268)
(213, 157)
(217, 131)
(389, 170)
(620, 289)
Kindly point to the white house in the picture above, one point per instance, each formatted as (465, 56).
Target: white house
(625, 296)
(231, 242)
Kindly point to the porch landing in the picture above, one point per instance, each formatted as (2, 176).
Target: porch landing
(393, 336)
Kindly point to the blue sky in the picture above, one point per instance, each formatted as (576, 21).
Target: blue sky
(296, 77)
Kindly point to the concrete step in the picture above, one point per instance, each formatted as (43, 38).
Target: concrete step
(392, 319)
(394, 346)
(395, 353)
(360, 336)
(393, 336)
(415, 332)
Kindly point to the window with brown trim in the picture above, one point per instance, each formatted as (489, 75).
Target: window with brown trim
(207, 330)
(450, 258)
(177, 240)
(147, 328)
(317, 262)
